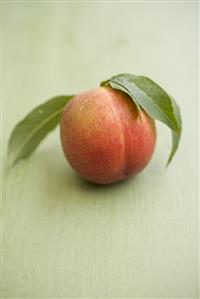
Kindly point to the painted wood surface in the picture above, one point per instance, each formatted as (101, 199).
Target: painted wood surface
(64, 237)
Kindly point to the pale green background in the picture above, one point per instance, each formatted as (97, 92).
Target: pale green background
(64, 237)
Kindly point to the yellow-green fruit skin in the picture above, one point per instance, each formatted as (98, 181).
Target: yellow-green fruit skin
(103, 137)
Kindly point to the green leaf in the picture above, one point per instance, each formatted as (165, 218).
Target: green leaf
(175, 135)
(119, 86)
(28, 133)
(153, 99)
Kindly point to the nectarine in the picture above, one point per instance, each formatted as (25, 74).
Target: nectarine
(104, 138)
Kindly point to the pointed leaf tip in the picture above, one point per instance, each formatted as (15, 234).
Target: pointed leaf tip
(29, 132)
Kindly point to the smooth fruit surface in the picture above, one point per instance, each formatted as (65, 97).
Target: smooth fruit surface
(103, 137)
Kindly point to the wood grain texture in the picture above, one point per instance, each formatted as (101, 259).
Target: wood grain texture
(64, 237)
